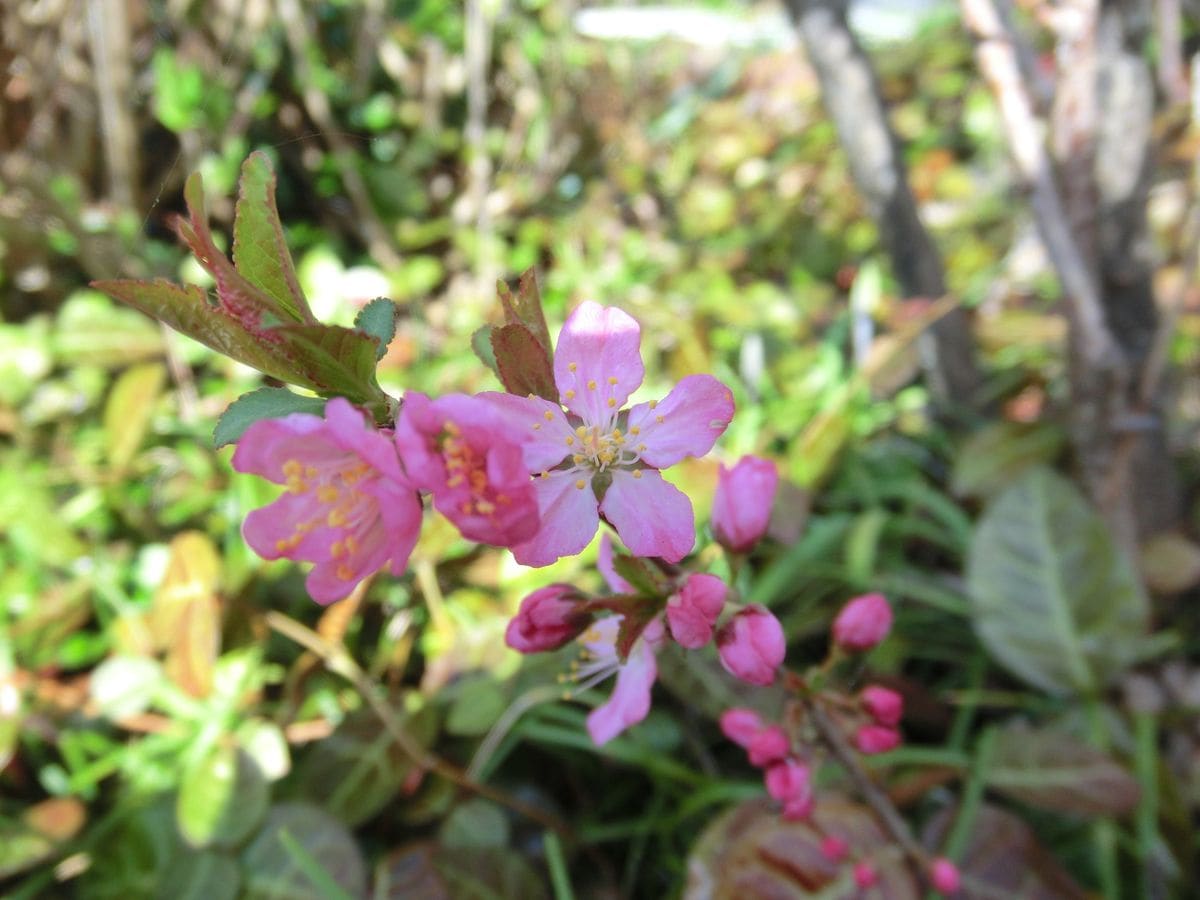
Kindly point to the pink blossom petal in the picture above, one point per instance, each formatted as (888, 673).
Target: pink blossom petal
(548, 619)
(268, 443)
(351, 428)
(569, 519)
(604, 562)
(598, 360)
(742, 504)
(630, 700)
(652, 516)
(545, 437)
(687, 422)
(268, 530)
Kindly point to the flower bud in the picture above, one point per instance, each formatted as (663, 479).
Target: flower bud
(548, 619)
(834, 848)
(945, 876)
(692, 612)
(742, 504)
(751, 645)
(882, 704)
(863, 622)
(865, 875)
(763, 743)
(871, 739)
(790, 784)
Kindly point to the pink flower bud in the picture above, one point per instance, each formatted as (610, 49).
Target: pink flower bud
(548, 619)
(742, 505)
(863, 622)
(789, 783)
(865, 875)
(882, 704)
(751, 645)
(872, 739)
(741, 725)
(692, 612)
(764, 744)
(833, 848)
(945, 876)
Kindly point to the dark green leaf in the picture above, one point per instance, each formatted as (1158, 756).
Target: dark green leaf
(475, 823)
(378, 319)
(260, 252)
(998, 453)
(265, 403)
(1052, 597)
(200, 875)
(272, 871)
(640, 574)
(523, 362)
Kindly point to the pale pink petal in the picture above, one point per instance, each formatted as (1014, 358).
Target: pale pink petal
(545, 436)
(598, 361)
(401, 514)
(741, 508)
(694, 609)
(604, 562)
(353, 430)
(268, 443)
(269, 529)
(687, 422)
(630, 700)
(568, 519)
(423, 466)
(652, 517)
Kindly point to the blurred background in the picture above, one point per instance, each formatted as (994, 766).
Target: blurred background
(156, 729)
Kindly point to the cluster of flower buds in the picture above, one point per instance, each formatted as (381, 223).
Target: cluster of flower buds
(787, 777)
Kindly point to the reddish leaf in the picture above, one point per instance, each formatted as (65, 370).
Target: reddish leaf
(525, 306)
(523, 363)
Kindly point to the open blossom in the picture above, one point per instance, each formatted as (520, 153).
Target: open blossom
(742, 504)
(863, 622)
(694, 609)
(464, 452)
(630, 700)
(751, 645)
(548, 619)
(348, 507)
(593, 457)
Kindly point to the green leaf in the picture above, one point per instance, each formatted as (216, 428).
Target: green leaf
(39, 833)
(479, 702)
(127, 411)
(260, 252)
(475, 823)
(274, 869)
(1052, 598)
(123, 686)
(378, 319)
(996, 454)
(481, 343)
(523, 363)
(332, 359)
(222, 798)
(265, 403)
(640, 574)
(203, 875)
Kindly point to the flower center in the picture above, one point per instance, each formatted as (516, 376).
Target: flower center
(339, 505)
(466, 469)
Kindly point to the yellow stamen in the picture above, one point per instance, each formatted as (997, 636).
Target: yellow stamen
(591, 384)
(611, 402)
(637, 473)
(570, 395)
(327, 493)
(548, 416)
(581, 484)
(570, 440)
(573, 366)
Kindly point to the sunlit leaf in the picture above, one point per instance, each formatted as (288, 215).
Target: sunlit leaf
(264, 403)
(378, 319)
(123, 686)
(128, 410)
(222, 798)
(1052, 598)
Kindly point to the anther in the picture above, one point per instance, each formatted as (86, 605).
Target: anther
(658, 419)
(653, 404)
(591, 384)
(611, 402)
(612, 379)
(637, 473)
(548, 416)
(570, 440)
(581, 484)
(570, 394)
(573, 366)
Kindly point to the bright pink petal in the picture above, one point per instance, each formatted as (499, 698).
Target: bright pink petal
(353, 431)
(652, 516)
(568, 519)
(692, 612)
(548, 619)
(269, 443)
(630, 700)
(687, 422)
(270, 530)
(542, 423)
(863, 622)
(604, 562)
(598, 361)
(751, 645)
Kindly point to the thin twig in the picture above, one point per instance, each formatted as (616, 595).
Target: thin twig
(340, 662)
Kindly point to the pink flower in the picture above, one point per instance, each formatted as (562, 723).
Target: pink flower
(876, 739)
(348, 507)
(865, 875)
(751, 645)
(834, 848)
(742, 505)
(465, 453)
(945, 876)
(630, 700)
(863, 622)
(548, 619)
(883, 705)
(764, 744)
(789, 783)
(692, 612)
(596, 458)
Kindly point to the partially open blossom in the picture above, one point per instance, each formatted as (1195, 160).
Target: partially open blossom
(742, 504)
(876, 739)
(863, 622)
(467, 455)
(751, 645)
(833, 848)
(596, 458)
(764, 744)
(692, 612)
(348, 507)
(945, 876)
(790, 783)
(548, 619)
(865, 875)
(882, 704)
(630, 700)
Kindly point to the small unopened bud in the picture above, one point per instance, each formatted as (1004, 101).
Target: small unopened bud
(693, 611)
(872, 739)
(882, 704)
(548, 619)
(789, 783)
(863, 622)
(751, 645)
(945, 876)
(742, 504)
(834, 848)
(865, 875)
